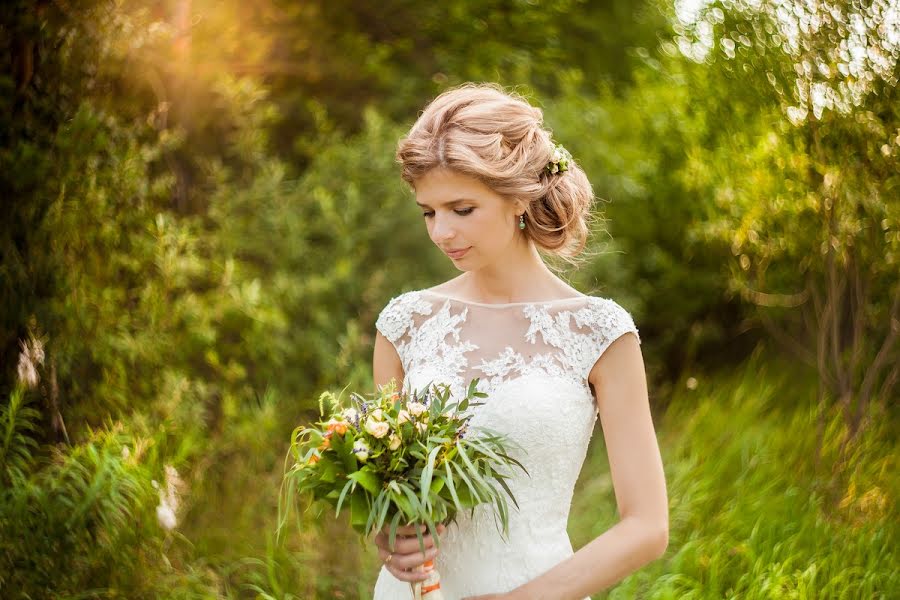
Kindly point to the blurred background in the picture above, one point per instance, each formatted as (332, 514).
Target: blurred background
(201, 219)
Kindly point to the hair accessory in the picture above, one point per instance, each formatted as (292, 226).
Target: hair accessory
(559, 160)
(522, 221)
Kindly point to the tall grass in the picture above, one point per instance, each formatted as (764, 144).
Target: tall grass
(752, 515)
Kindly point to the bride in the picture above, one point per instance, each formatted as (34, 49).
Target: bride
(495, 192)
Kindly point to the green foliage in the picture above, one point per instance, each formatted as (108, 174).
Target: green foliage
(86, 520)
(333, 57)
(752, 514)
(631, 144)
(18, 428)
(806, 203)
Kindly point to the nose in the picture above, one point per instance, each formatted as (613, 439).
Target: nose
(441, 229)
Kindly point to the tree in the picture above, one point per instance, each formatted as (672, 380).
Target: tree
(806, 186)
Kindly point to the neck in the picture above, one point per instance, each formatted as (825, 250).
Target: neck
(520, 276)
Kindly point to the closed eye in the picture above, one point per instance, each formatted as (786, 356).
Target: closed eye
(460, 211)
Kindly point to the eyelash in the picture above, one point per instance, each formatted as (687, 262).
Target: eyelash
(461, 212)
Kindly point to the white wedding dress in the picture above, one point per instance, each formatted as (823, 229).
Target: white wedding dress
(533, 360)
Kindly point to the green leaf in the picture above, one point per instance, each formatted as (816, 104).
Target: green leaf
(368, 479)
(384, 510)
(343, 447)
(359, 507)
(403, 503)
(392, 534)
(427, 474)
(416, 509)
(347, 486)
(376, 507)
(469, 485)
(452, 487)
(502, 481)
(328, 470)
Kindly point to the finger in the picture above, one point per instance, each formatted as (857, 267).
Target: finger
(414, 574)
(411, 545)
(409, 576)
(402, 544)
(410, 530)
(413, 561)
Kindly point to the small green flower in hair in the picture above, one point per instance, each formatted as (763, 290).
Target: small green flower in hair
(559, 160)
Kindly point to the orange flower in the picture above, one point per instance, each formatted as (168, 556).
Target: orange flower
(340, 427)
(314, 459)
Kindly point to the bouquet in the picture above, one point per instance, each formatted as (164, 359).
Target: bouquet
(401, 458)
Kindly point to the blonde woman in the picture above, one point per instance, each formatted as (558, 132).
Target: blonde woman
(496, 191)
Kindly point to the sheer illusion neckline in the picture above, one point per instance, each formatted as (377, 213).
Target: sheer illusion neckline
(504, 304)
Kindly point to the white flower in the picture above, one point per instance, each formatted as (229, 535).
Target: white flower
(557, 156)
(361, 450)
(378, 429)
(168, 499)
(377, 414)
(173, 487)
(30, 357)
(27, 373)
(394, 442)
(350, 414)
(166, 516)
(421, 427)
(416, 408)
(402, 417)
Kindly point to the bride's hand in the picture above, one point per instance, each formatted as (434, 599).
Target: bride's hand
(406, 559)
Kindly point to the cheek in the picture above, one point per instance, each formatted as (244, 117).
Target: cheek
(497, 230)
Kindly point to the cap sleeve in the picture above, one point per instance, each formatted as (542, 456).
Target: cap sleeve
(396, 321)
(606, 321)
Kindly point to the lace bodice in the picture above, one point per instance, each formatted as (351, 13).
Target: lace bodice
(533, 360)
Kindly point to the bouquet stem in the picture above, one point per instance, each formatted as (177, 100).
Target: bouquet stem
(430, 589)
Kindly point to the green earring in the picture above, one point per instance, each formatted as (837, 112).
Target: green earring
(522, 221)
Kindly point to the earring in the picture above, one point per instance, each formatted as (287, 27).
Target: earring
(522, 221)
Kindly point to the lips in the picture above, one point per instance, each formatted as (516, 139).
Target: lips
(456, 254)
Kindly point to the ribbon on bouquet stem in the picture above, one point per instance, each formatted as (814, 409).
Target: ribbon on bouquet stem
(430, 589)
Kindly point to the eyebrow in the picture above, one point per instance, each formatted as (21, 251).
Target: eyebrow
(450, 203)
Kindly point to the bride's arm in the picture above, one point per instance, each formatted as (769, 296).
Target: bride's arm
(386, 363)
(642, 533)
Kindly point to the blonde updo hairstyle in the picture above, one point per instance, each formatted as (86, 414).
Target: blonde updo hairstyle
(497, 137)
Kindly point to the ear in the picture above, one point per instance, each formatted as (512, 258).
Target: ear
(519, 206)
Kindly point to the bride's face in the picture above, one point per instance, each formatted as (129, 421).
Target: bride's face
(473, 225)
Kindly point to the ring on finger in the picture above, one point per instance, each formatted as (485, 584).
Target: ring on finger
(390, 556)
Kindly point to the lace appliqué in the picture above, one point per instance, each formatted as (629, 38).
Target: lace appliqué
(397, 316)
(434, 345)
(600, 323)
